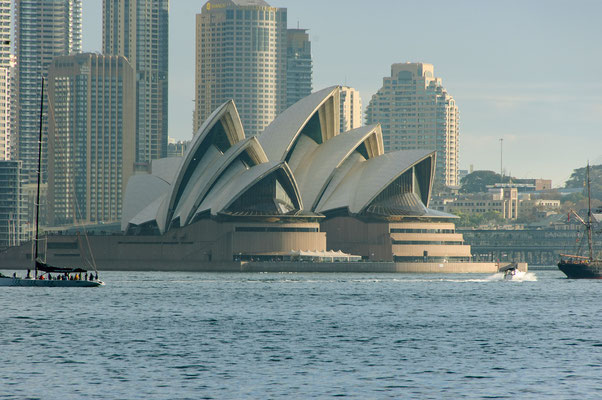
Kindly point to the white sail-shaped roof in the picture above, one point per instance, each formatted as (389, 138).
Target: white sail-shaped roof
(216, 135)
(253, 155)
(300, 165)
(316, 169)
(219, 200)
(279, 138)
(141, 191)
(149, 213)
(166, 168)
(364, 181)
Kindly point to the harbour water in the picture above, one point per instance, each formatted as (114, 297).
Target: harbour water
(201, 335)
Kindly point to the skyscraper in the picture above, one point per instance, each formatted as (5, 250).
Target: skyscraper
(91, 137)
(416, 112)
(351, 109)
(5, 77)
(11, 214)
(241, 55)
(298, 66)
(44, 29)
(138, 30)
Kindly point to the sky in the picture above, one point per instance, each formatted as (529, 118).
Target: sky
(528, 72)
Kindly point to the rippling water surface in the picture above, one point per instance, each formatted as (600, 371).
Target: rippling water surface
(198, 335)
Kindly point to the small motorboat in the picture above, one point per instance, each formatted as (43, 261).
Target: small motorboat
(510, 271)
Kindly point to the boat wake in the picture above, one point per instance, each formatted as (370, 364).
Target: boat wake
(520, 276)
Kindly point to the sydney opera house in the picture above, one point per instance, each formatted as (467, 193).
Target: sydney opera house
(299, 185)
(298, 188)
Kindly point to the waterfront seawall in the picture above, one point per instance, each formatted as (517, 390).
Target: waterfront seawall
(378, 267)
(284, 266)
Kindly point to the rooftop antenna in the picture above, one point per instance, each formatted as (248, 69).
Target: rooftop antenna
(501, 159)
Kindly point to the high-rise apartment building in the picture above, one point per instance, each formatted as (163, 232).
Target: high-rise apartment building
(5, 120)
(44, 29)
(416, 112)
(298, 66)
(11, 213)
(5, 77)
(138, 30)
(351, 109)
(91, 137)
(241, 55)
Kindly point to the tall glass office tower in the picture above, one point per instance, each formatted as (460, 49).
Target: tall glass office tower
(5, 77)
(44, 29)
(139, 31)
(298, 66)
(91, 137)
(241, 55)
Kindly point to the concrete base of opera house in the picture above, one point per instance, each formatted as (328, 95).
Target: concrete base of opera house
(378, 267)
(294, 267)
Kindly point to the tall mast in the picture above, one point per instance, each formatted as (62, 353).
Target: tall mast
(589, 217)
(37, 204)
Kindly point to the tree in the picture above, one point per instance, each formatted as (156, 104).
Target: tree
(438, 188)
(477, 181)
(577, 180)
(478, 219)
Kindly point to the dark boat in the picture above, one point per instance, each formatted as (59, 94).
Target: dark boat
(578, 266)
(580, 269)
(63, 277)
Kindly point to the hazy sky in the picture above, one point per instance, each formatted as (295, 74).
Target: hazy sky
(529, 72)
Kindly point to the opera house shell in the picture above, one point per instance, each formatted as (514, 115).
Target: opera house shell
(299, 191)
(298, 186)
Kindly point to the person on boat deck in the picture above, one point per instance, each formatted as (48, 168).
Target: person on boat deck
(14, 274)
(28, 274)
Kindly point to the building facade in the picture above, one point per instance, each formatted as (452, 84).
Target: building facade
(298, 66)
(5, 80)
(416, 112)
(241, 55)
(91, 137)
(11, 215)
(176, 148)
(503, 201)
(351, 109)
(138, 30)
(43, 30)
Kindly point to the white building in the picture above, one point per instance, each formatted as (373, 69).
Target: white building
(5, 76)
(241, 55)
(351, 109)
(416, 112)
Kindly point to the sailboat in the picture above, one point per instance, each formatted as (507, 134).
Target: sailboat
(46, 275)
(578, 266)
